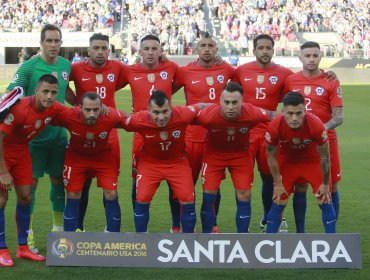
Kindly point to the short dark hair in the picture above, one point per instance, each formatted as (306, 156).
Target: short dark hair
(260, 37)
(48, 78)
(293, 98)
(309, 44)
(205, 35)
(99, 36)
(90, 95)
(231, 87)
(150, 37)
(159, 98)
(51, 27)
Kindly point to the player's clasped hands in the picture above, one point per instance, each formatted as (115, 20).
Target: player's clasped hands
(279, 190)
(323, 194)
(6, 181)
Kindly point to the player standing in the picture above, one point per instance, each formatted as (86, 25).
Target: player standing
(228, 125)
(203, 81)
(303, 158)
(104, 77)
(324, 99)
(24, 122)
(48, 148)
(144, 78)
(262, 82)
(90, 154)
(163, 158)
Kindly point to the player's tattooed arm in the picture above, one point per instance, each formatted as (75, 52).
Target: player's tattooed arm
(6, 180)
(70, 96)
(337, 118)
(324, 153)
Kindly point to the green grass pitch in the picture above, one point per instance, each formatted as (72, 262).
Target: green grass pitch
(354, 140)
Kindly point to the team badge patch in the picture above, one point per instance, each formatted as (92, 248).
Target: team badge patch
(163, 75)
(176, 134)
(307, 90)
(103, 135)
(151, 78)
(296, 141)
(221, 79)
(319, 91)
(99, 78)
(111, 77)
(89, 136)
(260, 79)
(47, 120)
(65, 75)
(9, 119)
(37, 124)
(163, 135)
(210, 81)
(273, 80)
(230, 131)
(243, 130)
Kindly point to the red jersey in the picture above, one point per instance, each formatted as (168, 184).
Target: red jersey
(86, 139)
(24, 122)
(167, 143)
(105, 81)
(321, 95)
(202, 85)
(229, 136)
(297, 145)
(144, 81)
(262, 87)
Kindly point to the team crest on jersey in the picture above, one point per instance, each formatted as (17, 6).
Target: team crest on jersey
(319, 91)
(110, 77)
(260, 79)
(307, 141)
(9, 119)
(65, 75)
(296, 141)
(163, 75)
(307, 90)
(273, 80)
(55, 74)
(89, 136)
(176, 134)
(210, 81)
(339, 92)
(99, 78)
(37, 124)
(163, 135)
(268, 137)
(151, 78)
(221, 79)
(103, 135)
(47, 120)
(243, 130)
(230, 131)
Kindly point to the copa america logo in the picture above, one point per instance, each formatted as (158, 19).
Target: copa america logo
(62, 248)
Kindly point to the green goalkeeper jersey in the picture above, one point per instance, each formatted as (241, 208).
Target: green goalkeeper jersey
(27, 77)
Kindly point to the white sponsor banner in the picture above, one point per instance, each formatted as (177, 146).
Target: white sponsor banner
(205, 250)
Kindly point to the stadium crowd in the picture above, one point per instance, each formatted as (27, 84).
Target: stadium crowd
(75, 15)
(176, 23)
(350, 19)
